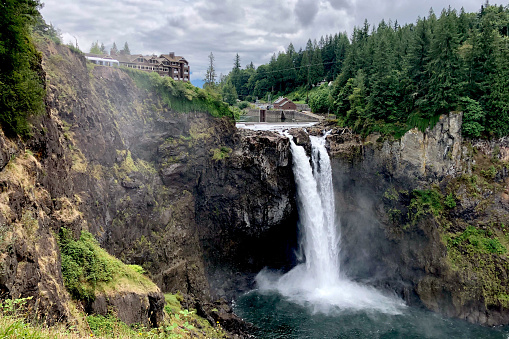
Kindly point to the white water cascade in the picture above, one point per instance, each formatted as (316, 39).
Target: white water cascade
(318, 281)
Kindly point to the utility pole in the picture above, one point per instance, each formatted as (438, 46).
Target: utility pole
(307, 94)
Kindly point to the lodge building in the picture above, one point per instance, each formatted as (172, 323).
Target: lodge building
(169, 64)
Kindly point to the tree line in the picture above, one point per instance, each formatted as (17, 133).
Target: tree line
(389, 77)
(101, 49)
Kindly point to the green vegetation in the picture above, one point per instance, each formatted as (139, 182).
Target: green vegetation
(477, 240)
(186, 322)
(425, 201)
(87, 269)
(16, 322)
(21, 78)
(181, 96)
(389, 78)
(450, 201)
(221, 153)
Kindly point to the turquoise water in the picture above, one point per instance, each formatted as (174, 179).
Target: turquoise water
(276, 317)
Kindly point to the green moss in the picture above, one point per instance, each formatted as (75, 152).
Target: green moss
(126, 165)
(221, 153)
(490, 173)
(450, 201)
(391, 194)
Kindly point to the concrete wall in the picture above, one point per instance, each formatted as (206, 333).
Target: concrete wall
(289, 115)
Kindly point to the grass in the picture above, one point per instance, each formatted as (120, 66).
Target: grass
(186, 323)
(87, 269)
(179, 323)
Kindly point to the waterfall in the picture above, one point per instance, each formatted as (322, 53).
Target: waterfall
(316, 211)
(318, 281)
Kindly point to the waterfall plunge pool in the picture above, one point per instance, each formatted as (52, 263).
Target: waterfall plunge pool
(276, 316)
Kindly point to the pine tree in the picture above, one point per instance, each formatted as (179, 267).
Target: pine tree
(236, 62)
(210, 75)
(316, 70)
(304, 70)
(444, 67)
(417, 61)
(114, 49)
(126, 50)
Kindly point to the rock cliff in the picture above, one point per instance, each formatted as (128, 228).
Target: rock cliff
(172, 192)
(425, 216)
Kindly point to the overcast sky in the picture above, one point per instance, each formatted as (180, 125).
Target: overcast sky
(255, 29)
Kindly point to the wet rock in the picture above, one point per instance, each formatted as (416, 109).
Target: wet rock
(130, 307)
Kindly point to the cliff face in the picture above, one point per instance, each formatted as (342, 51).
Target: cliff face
(158, 188)
(425, 216)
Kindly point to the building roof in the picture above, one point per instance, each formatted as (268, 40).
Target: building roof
(281, 101)
(175, 58)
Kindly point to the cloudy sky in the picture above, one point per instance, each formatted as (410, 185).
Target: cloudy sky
(255, 29)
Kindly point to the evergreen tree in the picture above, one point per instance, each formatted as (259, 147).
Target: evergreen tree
(304, 70)
(229, 93)
(21, 76)
(114, 49)
(236, 62)
(444, 67)
(95, 49)
(417, 62)
(210, 75)
(103, 49)
(316, 70)
(126, 50)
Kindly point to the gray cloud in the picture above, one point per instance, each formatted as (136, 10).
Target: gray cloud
(253, 28)
(306, 11)
(341, 4)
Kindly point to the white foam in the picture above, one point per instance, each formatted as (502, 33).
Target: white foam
(318, 281)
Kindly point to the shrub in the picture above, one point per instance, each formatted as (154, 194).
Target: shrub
(477, 240)
(221, 153)
(425, 201)
(319, 100)
(82, 266)
(243, 104)
(450, 201)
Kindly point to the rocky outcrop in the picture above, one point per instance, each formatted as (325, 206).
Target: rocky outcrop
(246, 211)
(414, 211)
(131, 307)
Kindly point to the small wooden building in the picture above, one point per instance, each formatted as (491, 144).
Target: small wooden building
(284, 104)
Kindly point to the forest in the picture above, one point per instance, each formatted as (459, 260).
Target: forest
(390, 78)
